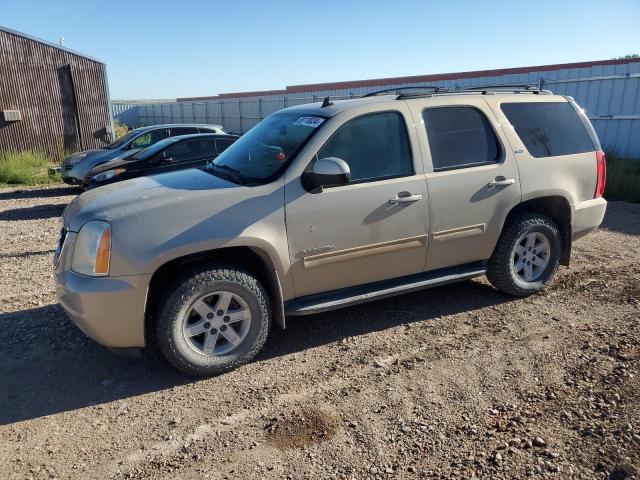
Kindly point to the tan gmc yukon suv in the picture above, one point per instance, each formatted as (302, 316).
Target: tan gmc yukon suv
(323, 206)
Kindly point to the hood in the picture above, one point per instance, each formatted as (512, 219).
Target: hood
(139, 195)
(114, 163)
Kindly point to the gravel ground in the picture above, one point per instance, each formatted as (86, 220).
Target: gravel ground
(455, 382)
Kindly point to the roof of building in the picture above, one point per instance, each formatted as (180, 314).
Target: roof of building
(379, 82)
(47, 43)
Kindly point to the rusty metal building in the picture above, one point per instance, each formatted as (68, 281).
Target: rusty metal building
(52, 99)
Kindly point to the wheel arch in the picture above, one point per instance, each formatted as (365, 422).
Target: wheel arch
(558, 209)
(252, 259)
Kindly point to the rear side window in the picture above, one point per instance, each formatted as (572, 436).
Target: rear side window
(375, 147)
(548, 129)
(176, 131)
(460, 137)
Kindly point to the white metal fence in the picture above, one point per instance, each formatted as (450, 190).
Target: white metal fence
(610, 94)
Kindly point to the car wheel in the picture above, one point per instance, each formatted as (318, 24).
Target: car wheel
(527, 255)
(213, 321)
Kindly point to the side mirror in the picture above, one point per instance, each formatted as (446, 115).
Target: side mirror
(326, 172)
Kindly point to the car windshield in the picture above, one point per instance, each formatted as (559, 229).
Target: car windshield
(151, 150)
(268, 147)
(123, 140)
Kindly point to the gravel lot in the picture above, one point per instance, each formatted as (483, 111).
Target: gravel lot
(455, 382)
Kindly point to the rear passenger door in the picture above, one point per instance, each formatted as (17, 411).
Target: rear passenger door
(472, 178)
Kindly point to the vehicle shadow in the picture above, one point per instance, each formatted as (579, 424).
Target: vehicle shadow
(306, 332)
(48, 366)
(45, 192)
(38, 212)
(622, 217)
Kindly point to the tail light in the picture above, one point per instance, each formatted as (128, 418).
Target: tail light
(601, 170)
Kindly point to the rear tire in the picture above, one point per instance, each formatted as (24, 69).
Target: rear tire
(214, 320)
(527, 255)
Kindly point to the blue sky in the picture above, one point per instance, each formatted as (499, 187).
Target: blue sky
(168, 49)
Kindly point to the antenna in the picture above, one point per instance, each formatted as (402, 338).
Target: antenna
(326, 102)
(61, 41)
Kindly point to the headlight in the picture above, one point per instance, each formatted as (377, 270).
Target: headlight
(73, 159)
(92, 250)
(108, 174)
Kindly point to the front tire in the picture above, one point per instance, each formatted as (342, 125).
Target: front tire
(527, 255)
(214, 320)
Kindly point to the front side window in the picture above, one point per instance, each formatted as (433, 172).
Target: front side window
(149, 138)
(459, 137)
(191, 150)
(264, 151)
(548, 129)
(374, 146)
(122, 141)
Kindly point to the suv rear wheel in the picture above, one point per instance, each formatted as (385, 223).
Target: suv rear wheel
(527, 255)
(213, 321)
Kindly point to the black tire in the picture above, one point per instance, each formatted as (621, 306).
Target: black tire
(500, 270)
(193, 285)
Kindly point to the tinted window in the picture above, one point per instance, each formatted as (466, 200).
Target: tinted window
(209, 130)
(375, 146)
(459, 137)
(548, 129)
(191, 150)
(222, 145)
(183, 131)
(149, 138)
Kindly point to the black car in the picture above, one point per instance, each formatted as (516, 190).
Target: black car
(175, 153)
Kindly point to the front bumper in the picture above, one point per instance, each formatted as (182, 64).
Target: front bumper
(110, 310)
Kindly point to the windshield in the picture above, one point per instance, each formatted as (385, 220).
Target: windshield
(268, 147)
(151, 150)
(122, 140)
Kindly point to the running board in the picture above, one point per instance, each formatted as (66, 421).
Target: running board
(347, 297)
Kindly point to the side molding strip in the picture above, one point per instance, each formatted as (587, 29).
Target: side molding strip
(364, 251)
(461, 232)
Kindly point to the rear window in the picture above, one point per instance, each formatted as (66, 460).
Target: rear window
(548, 129)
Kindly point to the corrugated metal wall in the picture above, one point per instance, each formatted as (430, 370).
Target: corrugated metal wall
(608, 90)
(63, 97)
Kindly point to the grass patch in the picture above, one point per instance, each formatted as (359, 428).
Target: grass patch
(26, 168)
(623, 178)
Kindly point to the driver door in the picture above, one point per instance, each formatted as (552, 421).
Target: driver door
(371, 229)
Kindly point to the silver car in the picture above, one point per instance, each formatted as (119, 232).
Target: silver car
(324, 206)
(75, 167)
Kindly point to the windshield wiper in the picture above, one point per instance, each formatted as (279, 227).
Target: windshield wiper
(230, 172)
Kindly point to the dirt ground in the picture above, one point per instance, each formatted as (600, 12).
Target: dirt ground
(454, 382)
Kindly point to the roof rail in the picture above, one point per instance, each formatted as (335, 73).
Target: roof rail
(511, 87)
(431, 88)
(414, 92)
(483, 89)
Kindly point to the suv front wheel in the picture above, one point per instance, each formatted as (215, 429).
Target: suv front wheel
(213, 321)
(526, 257)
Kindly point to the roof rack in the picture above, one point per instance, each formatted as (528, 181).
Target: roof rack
(435, 90)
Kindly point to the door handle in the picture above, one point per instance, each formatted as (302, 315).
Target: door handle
(501, 182)
(406, 198)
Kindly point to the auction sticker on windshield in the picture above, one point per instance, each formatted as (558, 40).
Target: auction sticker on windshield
(313, 122)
